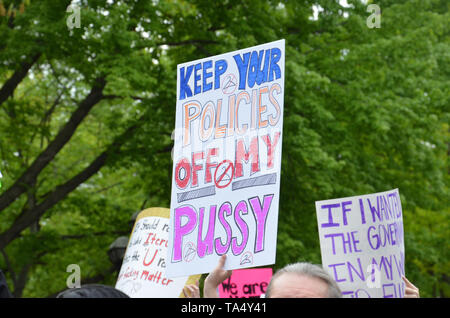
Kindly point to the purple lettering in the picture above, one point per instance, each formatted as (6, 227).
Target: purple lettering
(330, 215)
(260, 213)
(335, 272)
(224, 209)
(243, 228)
(385, 294)
(370, 237)
(348, 241)
(355, 241)
(360, 273)
(332, 236)
(361, 206)
(181, 230)
(206, 246)
(345, 210)
(374, 212)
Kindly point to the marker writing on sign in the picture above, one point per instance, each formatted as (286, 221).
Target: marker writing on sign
(247, 111)
(186, 170)
(362, 243)
(382, 207)
(221, 245)
(254, 68)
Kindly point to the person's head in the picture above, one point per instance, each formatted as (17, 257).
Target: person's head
(92, 291)
(302, 280)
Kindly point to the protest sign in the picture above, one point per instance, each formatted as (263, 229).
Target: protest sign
(361, 241)
(227, 160)
(246, 283)
(143, 273)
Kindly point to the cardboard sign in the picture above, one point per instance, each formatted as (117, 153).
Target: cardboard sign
(361, 241)
(227, 160)
(246, 283)
(143, 271)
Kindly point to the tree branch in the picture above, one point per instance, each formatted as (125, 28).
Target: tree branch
(63, 136)
(60, 192)
(108, 187)
(29, 216)
(21, 281)
(9, 266)
(11, 84)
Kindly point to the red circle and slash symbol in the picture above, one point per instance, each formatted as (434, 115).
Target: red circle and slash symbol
(224, 179)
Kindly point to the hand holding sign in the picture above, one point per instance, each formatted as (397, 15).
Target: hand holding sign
(215, 278)
(192, 290)
(411, 291)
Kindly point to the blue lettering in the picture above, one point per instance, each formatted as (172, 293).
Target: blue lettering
(253, 68)
(255, 74)
(242, 67)
(220, 67)
(185, 90)
(197, 78)
(262, 74)
(275, 55)
(207, 86)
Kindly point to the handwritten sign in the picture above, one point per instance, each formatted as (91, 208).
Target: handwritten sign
(246, 283)
(227, 159)
(143, 272)
(361, 241)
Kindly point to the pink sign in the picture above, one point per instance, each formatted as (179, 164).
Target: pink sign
(246, 283)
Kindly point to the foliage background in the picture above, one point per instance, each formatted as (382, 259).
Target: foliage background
(86, 117)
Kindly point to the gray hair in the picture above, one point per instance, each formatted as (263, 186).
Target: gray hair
(310, 270)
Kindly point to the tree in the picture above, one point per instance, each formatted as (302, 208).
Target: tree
(87, 115)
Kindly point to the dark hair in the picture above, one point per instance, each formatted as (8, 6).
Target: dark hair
(4, 290)
(92, 291)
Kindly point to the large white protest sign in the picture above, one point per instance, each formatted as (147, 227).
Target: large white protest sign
(227, 160)
(143, 273)
(361, 241)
